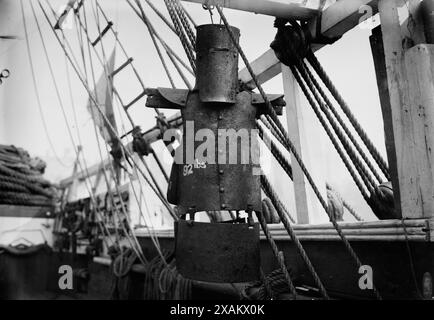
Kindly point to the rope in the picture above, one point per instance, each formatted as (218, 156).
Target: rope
(126, 232)
(7, 186)
(292, 148)
(267, 287)
(30, 186)
(343, 125)
(35, 87)
(277, 254)
(184, 21)
(85, 29)
(123, 262)
(121, 46)
(275, 151)
(90, 190)
(284, 218)
(102, 226)
(21, 176)
(158, 12)
(188, 48)
(109, 126)
(270, 212)
(163, 282)
(174, 58)
(332, 138)
(351, 211)
(363, 135)
(369, 182)
(268, 189)
(269, 123)
(160, 55)
(8, 197)
(272, 285)
(140, 254)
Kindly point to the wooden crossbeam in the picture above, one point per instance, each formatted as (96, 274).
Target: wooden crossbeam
(336, 20)
(276, 8)
(343, 16)
(150, 136)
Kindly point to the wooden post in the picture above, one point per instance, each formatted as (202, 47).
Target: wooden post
(304, 133)
(376, 40)
(410, 82)
(419, 62)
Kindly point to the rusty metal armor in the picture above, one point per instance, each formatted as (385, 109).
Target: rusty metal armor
(219, 171)
(220, 186)
(217, 64)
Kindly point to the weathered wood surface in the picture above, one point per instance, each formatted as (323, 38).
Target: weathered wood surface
(410, 86)
(287, 9)
(419, 62)
(304, 132)
(376, 40)
(386, 230)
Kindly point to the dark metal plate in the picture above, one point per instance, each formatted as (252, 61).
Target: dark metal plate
(217, 252)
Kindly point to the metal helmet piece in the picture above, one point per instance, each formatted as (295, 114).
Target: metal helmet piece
(217, 63)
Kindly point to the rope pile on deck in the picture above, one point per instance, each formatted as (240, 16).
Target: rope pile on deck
(21, 179)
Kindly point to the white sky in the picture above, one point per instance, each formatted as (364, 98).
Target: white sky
(348, 62)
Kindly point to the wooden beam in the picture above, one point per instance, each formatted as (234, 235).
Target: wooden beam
(304, 132)
(283, 9)
(81, 175)
(151, 136)
(343, 16)
(419, 63)
(410, 82)
(336, 20)
(266, 67)
(376, 40)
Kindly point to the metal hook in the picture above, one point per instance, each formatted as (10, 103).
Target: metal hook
(209, 7)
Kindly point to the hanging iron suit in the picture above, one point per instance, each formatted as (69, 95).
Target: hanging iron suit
(216, 167)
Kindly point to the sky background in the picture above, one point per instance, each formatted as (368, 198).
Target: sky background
(348, 62)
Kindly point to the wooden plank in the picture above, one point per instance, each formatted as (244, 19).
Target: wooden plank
(343, 16)
(376, 40)
(388, 235)
(151, 136)
(265, 67)
(283, 9)
(420, 72)
(416, 229)
(303, 132)
(409, 95)
(336, 20)
(91, 171)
